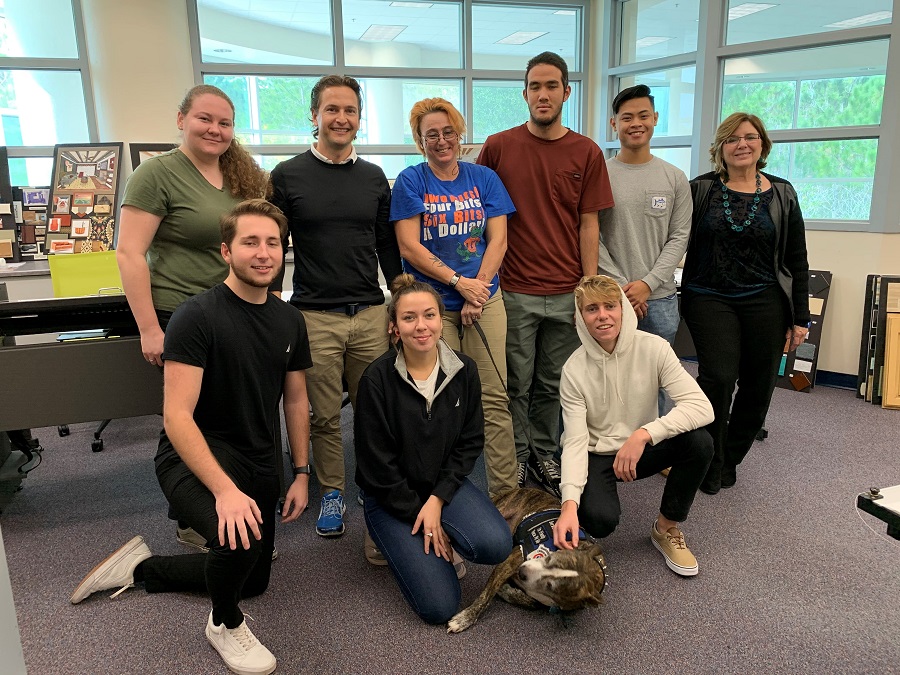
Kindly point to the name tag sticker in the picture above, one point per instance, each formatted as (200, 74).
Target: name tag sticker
(657, 202)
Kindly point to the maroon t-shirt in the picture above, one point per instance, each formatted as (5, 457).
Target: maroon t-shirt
(551, 184)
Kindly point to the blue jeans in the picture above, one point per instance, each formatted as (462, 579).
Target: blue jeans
(477, 531)
(662, 319)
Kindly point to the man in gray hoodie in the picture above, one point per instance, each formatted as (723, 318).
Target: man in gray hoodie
(613, 431)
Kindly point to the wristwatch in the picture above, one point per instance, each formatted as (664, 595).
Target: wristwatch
(301, 469)
(453, 281)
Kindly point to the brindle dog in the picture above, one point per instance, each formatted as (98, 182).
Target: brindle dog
(563, 579)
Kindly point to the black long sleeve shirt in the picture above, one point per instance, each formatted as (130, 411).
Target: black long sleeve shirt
(338, 217)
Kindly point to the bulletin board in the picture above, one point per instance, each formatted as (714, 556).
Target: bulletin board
(84, 198)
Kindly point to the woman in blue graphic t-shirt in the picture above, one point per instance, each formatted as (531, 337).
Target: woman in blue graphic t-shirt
(450, 220)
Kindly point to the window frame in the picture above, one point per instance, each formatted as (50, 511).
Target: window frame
(80, 64)
(467, 73)
(710, 59)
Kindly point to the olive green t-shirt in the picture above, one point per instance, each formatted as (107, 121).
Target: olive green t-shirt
(185, 255)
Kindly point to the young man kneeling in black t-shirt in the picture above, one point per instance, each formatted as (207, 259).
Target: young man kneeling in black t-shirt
(230, 353)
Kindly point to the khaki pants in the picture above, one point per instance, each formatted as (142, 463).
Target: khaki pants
(342, 347)
(499, 447)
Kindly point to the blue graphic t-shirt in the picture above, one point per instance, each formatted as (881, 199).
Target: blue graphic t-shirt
(454, 218)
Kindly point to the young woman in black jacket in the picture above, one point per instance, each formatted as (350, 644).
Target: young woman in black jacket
(419, 428)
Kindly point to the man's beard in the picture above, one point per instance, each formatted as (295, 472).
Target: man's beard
(256, 282)
(547, 123)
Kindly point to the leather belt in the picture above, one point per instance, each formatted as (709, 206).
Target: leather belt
(350, 310)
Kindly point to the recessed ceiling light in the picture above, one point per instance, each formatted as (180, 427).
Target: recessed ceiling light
(520, 37)
(650, 41)
(422, 5)
(565, 12)
(861, 20)
(379, 33)
(746, 9)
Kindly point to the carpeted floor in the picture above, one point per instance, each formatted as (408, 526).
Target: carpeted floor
(791, 578)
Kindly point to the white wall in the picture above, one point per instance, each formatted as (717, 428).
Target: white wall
(849, 256)
(140, 61)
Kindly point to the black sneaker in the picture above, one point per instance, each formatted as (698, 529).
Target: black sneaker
(545, 472)
(521, 474)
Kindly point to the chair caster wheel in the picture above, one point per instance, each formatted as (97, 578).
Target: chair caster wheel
(63, 429)
(97, 445)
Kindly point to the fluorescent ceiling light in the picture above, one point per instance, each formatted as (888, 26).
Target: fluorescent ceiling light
(650, 41)
(520, 37)
(378, 33)
(746, 9)
(423, 5)
(565, 12)
(860, 20)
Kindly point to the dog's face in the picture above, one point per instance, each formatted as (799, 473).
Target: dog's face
(566, 579)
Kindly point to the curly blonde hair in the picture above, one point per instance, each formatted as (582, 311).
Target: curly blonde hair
(246, 178)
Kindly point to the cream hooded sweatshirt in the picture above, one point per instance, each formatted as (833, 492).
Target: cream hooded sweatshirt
(606, 397)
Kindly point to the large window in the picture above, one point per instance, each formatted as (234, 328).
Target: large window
(43, 85)
(505, 36)
(653, 29)
(838, 86)
(267, 57)
(814, 71)
(811, 89)
(754, 21)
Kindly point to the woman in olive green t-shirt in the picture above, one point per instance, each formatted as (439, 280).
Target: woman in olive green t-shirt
(169, 244)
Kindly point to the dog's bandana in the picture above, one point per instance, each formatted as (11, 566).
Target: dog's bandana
(534, 536)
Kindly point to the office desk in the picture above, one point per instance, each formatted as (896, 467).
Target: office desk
(884, 506)
(79, 380)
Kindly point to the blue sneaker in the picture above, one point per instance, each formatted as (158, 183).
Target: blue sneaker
(331, 515)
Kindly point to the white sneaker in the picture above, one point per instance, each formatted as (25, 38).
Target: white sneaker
(116, 571)
(239, 648)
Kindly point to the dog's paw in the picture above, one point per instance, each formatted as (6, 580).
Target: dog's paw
(461, 622)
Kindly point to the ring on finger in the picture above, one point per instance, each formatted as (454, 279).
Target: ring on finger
(429, 534)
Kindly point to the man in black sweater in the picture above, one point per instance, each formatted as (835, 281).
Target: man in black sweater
(337, 207)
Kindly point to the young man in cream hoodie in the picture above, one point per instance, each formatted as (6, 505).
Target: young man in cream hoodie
(613, 431)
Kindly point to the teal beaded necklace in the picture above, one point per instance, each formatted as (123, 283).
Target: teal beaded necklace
(751, 214)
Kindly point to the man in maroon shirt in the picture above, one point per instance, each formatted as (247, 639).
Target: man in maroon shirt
(557, 180)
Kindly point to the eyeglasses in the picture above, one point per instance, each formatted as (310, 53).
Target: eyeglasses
(433, 137)
(750, 138)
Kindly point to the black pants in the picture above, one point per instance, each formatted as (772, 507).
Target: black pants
(739, 341)
(688, 454)
(226, 575)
